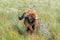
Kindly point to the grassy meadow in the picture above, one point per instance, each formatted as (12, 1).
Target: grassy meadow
(13, 29)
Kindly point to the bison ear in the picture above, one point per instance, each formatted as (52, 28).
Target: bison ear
(20, 18)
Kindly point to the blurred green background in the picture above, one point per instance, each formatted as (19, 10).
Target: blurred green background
(47, 10)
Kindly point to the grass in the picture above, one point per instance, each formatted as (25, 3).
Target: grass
(13, 29)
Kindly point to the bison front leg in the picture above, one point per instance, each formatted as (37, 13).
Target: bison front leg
(35, 26)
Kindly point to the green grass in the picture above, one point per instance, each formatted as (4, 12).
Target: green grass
(48, 12)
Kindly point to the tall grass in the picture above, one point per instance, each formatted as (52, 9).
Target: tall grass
(13, 29)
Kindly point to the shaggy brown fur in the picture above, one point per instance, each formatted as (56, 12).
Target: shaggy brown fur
(30, 20)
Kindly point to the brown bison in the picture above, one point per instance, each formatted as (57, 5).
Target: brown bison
(30, 20)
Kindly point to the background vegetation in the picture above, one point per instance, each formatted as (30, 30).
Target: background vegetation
(47, 10)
